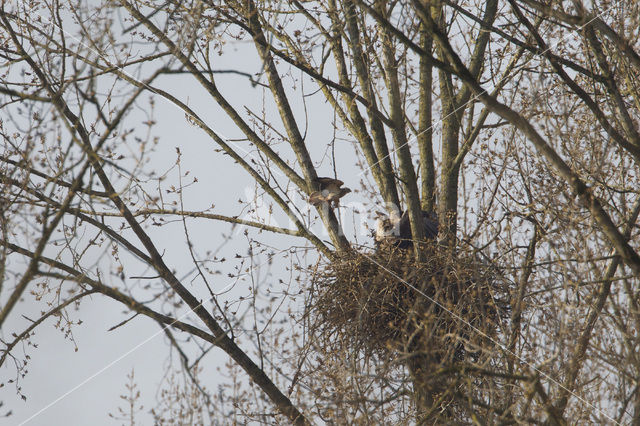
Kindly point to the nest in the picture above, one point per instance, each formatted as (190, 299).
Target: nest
(446, 308)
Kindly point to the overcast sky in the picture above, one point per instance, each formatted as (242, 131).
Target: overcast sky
(68, 387)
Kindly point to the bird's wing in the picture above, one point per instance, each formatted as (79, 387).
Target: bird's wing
(343, 192)
(316, 198)
(430, 229)
(326, 182)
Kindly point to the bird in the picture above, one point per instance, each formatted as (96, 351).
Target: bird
(396, 229)
(330, 192)
(387, 227)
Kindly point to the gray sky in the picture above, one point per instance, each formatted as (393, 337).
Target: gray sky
(68, 387)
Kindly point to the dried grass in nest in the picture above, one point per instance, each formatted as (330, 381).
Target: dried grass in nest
(384, 301)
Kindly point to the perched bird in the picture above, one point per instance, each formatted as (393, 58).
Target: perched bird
(396, 229)
(330, 192)
(387, 227)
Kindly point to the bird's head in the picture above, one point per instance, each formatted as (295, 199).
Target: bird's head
(387, 227)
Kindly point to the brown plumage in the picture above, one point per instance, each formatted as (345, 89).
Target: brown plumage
(330, 192)
(396, 229)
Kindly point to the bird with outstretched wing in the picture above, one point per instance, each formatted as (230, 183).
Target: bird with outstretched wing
(330, 192)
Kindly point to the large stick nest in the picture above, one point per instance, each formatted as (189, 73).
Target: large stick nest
(447, 307)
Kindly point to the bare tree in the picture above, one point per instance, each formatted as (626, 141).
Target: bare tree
(513, 126)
